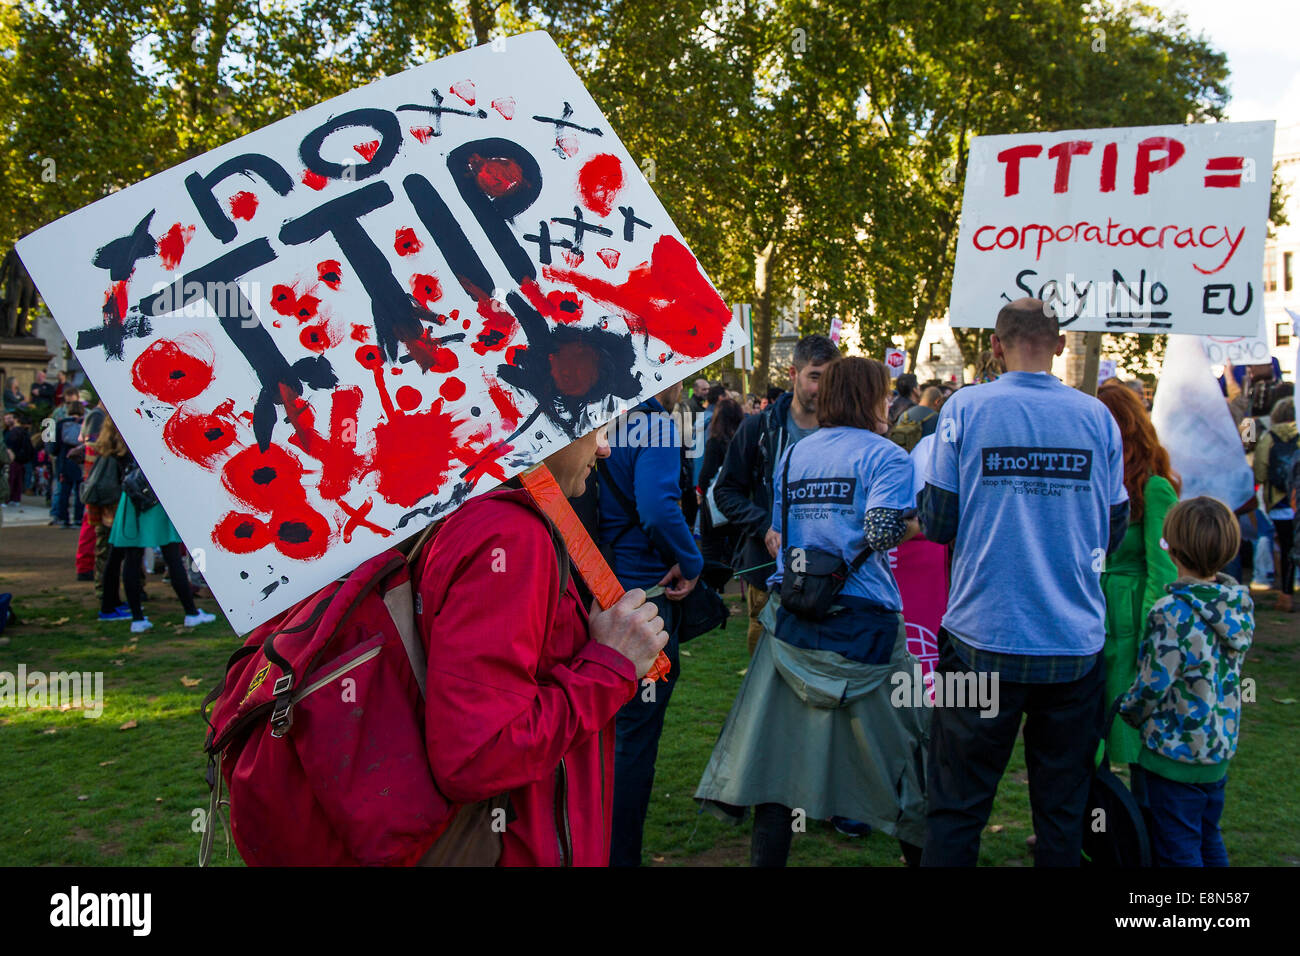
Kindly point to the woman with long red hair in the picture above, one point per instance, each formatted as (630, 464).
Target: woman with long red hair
(1136, 574)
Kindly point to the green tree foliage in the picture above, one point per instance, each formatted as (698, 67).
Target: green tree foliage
(813, 152)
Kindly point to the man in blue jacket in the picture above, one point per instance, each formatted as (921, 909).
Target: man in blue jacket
(644, 531)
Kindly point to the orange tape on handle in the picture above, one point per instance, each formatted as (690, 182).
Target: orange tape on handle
(585, 555)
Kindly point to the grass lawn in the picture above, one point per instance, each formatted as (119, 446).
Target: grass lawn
(124, 788)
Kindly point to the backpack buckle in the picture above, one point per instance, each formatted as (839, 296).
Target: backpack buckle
(281, 717)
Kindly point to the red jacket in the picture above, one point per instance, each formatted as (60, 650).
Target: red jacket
(519, 698)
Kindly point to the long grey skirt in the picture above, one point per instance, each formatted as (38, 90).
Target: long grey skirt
(815, 731)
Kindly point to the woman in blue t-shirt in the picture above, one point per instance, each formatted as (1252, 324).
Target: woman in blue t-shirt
(814, 731)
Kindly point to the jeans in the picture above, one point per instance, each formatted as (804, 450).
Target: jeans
(1185, 822)
(639, 724)
(69, 490)
(969, 753)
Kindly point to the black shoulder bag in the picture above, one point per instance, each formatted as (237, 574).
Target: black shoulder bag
(812, 578)
(702, 610)
(137, 488)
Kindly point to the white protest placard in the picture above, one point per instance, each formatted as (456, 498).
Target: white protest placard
(894, 359)
(324, 335)
(1143, 229)
(1239, 349)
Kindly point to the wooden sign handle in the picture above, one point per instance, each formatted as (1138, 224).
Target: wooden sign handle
(585, 555)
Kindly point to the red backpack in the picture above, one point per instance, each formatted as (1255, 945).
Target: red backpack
(318, 733)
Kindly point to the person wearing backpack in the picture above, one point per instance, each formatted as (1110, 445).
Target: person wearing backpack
(814, 729)
(1274, 456)
(918, 421)
(523, 683)
(67, 440)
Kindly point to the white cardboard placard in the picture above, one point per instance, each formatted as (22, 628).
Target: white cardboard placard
(322, 336)
(1150, 229)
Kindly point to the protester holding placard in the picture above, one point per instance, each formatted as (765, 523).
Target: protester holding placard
(1138, 572)
(522, 693)
(1027, 479)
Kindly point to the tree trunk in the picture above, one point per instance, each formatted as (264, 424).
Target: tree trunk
(761, 317)
(481, 21)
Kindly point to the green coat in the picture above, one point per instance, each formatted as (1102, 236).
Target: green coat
(131, 529)
(1135, 578)
(814, 730)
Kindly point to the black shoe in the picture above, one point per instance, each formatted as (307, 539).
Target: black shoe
(85, 575)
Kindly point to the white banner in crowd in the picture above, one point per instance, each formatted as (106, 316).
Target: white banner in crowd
(1192, 420)
(322, 336)
(1143, 229)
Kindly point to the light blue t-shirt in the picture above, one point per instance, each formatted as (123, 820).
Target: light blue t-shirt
(1037, 467)
(836, 476)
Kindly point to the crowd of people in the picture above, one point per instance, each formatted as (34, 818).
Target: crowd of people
(118, 535)
(1078, 587)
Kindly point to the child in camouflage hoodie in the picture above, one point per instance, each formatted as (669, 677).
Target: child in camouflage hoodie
(1186, 699)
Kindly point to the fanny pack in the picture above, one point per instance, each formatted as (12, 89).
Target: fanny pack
(813, 578)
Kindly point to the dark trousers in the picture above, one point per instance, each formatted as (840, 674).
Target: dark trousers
(1284, 577)
(640, 722)
(969, 753)
(16, 482)
(1185, 822)
(129, 562)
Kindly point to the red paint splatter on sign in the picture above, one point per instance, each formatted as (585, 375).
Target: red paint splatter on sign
(243, 205)
(667, 297)
(406, 242)
(201, 438)
(465, 90)
(565, 306)
(422, 133)
(599, 181)
(495, 177)
(314, 180)
(416, 454)
(368, 150)
(318, 337)
(608, 256)
(408, 398)
(452, 389)
(505, 404)
(360, 333)
(505, 105)
(171, 245)
(426, 290)
(330, 272)
(171, 372)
